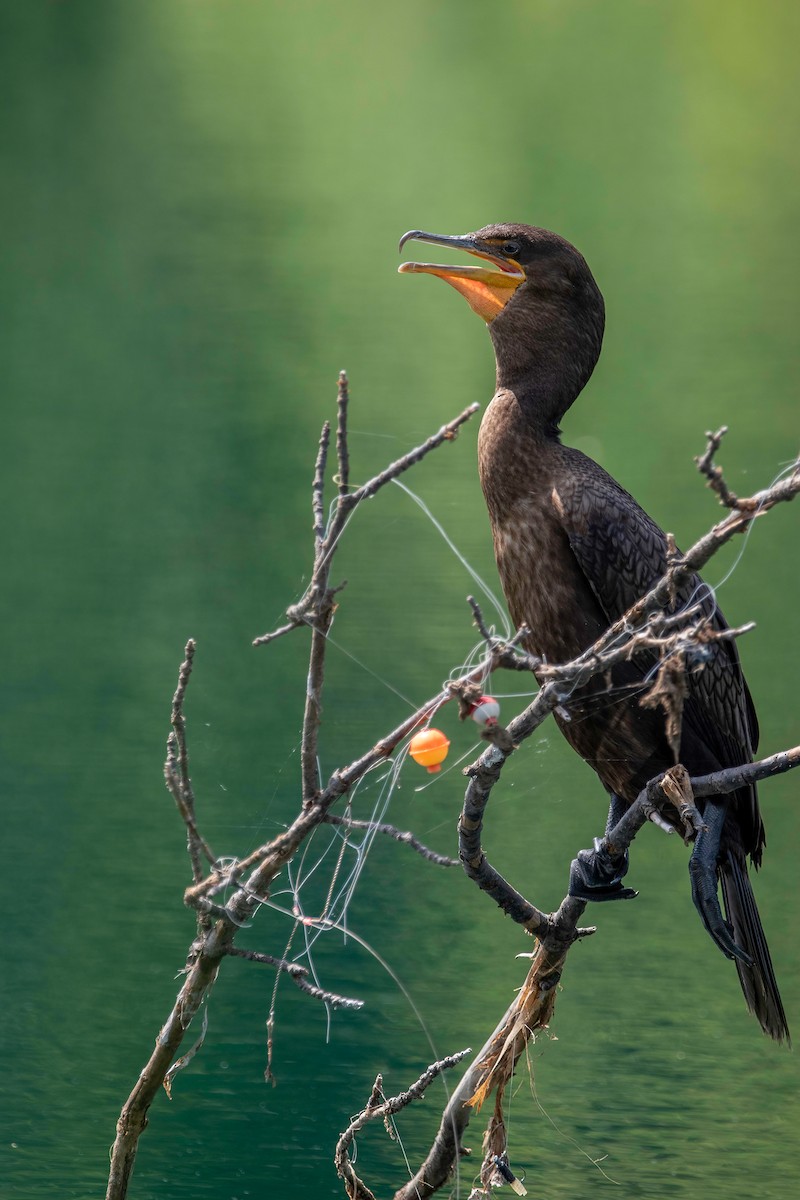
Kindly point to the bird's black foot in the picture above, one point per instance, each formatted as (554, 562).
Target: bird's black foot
(703, 876)
(596, 875)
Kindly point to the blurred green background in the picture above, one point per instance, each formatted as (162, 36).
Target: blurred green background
(201, 205)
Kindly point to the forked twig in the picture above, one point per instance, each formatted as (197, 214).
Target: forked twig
(716, 480)
(379, 1108)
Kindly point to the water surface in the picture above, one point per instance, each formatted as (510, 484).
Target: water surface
(202, 206)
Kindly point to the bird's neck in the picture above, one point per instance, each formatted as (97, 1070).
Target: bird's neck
(545, 354)
(516, 455)
(542, 394)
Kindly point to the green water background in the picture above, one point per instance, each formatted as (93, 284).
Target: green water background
(201, 204)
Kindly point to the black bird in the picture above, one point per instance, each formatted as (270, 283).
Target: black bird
(575, 551)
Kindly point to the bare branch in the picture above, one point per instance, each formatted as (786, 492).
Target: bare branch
(375, 1109)
(732, 778)
(486, 771)
(718, 783)
(407, 838)
(265, 638)
(342, 451)
(716, 481)
(439, 1163)
(305, 611)
(201, 974)
(532, 1009)
(268, 859)
(483, 628)
(508, 655)
(318, 486)
(220, 926)
(738, 521)
(663, 632)
(470, 825)
(186, 1058)
(706, 467)
(299, 976)
(447, 433)
(176, 768)
(177, 719)
(313, 709)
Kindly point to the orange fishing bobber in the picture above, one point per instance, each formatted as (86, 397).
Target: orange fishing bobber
(429, 749)
(485, 711)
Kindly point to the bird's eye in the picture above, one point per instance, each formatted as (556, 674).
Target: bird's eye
(511, 249)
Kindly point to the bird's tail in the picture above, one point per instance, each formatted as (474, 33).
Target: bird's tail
(758, 981)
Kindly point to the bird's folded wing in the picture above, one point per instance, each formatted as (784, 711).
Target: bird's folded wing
(622, 553)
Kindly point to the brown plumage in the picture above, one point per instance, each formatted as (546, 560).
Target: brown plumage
(574, 551)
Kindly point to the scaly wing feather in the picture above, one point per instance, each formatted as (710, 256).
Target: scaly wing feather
(622, 553)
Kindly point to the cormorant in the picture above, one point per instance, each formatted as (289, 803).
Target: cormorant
(574, 551)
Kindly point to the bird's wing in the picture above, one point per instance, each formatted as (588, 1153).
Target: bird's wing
(622, 553)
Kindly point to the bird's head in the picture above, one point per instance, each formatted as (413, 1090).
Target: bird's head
(544, 311)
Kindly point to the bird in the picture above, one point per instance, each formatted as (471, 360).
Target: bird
(574, 551)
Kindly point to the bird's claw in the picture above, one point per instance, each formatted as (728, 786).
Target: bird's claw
(597, 875)
(692, 821)
(703, 876)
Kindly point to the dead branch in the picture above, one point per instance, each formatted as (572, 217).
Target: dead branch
(202, 971)
(299, 976)
(509, 655)
(176, 768)
(306, 609)
(252, 876)
(532, 1009)
(716, 480)
(342, 479)
(382, 1109)
(318, 486)
(719, 783)
(186, 1058)
(273, 854)
(447, 433)
(398, 835)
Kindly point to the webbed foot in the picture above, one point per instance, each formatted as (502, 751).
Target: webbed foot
(596, 875)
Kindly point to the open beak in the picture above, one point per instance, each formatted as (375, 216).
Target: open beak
(487, 291)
